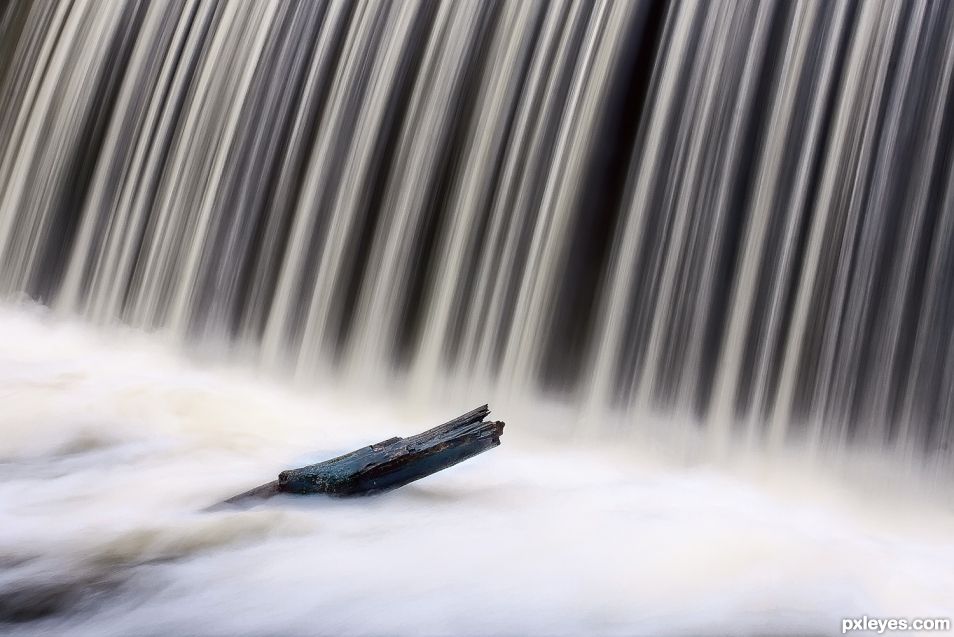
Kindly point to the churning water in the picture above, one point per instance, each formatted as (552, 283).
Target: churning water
(112, 445)
(725, 229)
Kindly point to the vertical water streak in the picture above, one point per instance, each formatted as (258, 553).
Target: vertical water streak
(736, 214)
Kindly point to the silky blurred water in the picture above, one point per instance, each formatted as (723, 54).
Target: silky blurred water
(111, 445)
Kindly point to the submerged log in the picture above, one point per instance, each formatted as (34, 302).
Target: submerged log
(388, 464)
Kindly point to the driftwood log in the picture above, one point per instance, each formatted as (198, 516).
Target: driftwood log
(388, 464)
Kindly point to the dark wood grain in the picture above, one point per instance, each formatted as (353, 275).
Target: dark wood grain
(388, 464)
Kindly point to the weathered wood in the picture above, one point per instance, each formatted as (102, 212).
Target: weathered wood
(388, 464)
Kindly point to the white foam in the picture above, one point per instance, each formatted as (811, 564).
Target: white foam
(110, 445)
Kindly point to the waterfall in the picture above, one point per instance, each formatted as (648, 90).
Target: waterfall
(737, 212)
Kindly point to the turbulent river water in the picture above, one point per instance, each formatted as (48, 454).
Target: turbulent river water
(698, 254)
(112, 443)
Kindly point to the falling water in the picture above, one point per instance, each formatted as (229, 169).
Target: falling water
(740, 213)
(725, 226)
